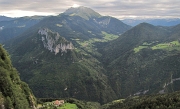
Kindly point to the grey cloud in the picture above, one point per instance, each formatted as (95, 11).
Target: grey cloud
(116, 8)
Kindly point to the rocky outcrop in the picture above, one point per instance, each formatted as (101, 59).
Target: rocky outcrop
(103, 22)
(167, 84)
(54, 42)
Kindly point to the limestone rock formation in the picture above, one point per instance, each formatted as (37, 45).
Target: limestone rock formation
(54, 42)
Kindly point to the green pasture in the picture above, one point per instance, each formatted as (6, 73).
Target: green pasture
(68, 106)
(169, 46)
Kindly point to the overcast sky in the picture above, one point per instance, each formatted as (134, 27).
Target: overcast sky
(117, 8)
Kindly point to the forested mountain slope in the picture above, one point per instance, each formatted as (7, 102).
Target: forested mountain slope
(58, 56)
(144, 60)
(87, 56)
(158, 101)
(13, 92)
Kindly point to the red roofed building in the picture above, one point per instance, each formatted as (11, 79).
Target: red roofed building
(58, 102)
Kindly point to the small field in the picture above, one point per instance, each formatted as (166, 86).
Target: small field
(49, 105)
(118, 101)
(59, 25)
(174, 45)
(89, 44)
(68, 106)
(139, 48)
(108, 37)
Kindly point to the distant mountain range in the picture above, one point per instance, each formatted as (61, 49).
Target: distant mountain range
(156, 22)
(15, 26)
(84, 55)
(4, 18)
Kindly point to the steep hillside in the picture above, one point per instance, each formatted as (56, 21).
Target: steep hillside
(58, 56)
(11, 28)
(158, 101)
(144, 60)
(92, 57)
(13, 92)
(54, 67)
(133, 38)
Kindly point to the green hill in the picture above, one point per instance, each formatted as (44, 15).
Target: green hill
(161, 101)
(13, 92)
(144, 60)
(54, 67)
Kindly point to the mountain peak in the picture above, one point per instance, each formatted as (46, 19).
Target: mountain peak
(146, 26)
(82, 11)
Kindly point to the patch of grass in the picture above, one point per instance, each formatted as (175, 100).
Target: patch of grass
(160, 46)
(89, 43)
(90, 31)
(174, 45)
(39, 106)
(59, 25)
(49, 105)
(118, 101)
(137, 49)
(148, 44)
(68, 106)
(108, 37)
(72, 14)
(175, 42)
(75, 39)
(89, 46)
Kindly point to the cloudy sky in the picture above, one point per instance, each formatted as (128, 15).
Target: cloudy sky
(118, 8)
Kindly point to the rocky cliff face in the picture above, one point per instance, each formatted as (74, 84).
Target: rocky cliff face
(104, 22)
(54, 42)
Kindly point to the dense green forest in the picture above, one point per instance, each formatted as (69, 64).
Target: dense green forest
(160, 101)
(13, 92)
(144, 60)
